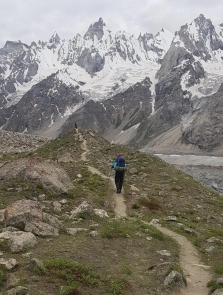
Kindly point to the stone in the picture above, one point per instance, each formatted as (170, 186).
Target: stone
(42, 229)
(11, 280)
(210, 249)
(74, 231)
(22, 212)
(164, 253)
(93, 233)
(212, 240)
(18, 241)
(101, 213)
(57, 207)
(174, 278)
(2, 215)
(170, 218)
(53, 177)
(8, 263)
(133, 171)
(19, 290)
(83, 208)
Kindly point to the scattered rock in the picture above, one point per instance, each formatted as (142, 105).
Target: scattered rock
(174, 278)
(8, 263)
(2, 215)
(212, 240)
(19, 240)
(101, 213)
(52, 177)
(164, 253)
(74, 231)
(19, 290)
(93, 233)
(83, 208)
(170, 218)
(11, 281)
(210, 249)
(22, 213)
(133, 171)
(65, 157)
(57, 207)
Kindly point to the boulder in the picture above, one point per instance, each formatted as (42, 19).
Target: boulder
(51, 176)
(8, 263)
(23, 212)
(19, 290)
(18, 240)
(84, 208)
(42, 229)
(174, 278)
(11, 280)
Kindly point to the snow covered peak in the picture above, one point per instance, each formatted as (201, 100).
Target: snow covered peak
(97, 29)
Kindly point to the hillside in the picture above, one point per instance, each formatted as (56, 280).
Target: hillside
(65, 231)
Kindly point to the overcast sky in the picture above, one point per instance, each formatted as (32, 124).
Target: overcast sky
(33, 20)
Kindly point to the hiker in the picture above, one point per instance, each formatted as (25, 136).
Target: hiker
(75, 127)
(120, 168)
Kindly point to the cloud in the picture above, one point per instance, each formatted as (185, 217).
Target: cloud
(33, 20)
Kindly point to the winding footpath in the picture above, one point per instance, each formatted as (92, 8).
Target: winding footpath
(196, 274)
(120, 206)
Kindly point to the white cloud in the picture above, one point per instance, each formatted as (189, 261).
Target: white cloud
(33, 20)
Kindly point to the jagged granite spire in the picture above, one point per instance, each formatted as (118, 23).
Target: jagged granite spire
(97, 29)
(55, 38)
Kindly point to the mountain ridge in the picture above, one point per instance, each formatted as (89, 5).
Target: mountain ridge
(183, 70)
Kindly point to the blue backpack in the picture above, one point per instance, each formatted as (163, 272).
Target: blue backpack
(119, 164)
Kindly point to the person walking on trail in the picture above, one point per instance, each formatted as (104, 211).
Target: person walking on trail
(75, 127)
(120, 168)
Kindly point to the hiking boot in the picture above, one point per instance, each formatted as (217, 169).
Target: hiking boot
(118, 191)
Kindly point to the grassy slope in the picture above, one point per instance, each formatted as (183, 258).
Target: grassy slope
(121, 257)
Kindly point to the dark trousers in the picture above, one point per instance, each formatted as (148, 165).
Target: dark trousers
(119, 177)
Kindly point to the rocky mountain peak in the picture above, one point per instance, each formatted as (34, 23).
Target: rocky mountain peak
(97, 29)
(54, 40)
(14, 46)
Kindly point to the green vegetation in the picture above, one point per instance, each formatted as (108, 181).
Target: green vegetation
(70, 275)
(123, 251)
(116, 287)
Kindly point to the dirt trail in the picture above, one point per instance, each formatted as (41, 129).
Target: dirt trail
(196, 274)
(120, 206)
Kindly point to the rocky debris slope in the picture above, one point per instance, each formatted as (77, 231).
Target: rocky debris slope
(14, 142)
(52, 176)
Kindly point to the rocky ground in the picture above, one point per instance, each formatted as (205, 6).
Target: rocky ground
(206, 169)
(14, 142)
(61, 197)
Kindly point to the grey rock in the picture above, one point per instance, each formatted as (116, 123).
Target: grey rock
(84, 207)
(11, 280)
(8, 263)
(18, 241)
(19, 290)
(174, 278)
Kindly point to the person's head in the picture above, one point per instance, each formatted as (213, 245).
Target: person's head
(119, 154)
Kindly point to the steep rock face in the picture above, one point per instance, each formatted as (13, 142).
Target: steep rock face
(205, 130)
(183, 78)
(122, 111)
(40, 107)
